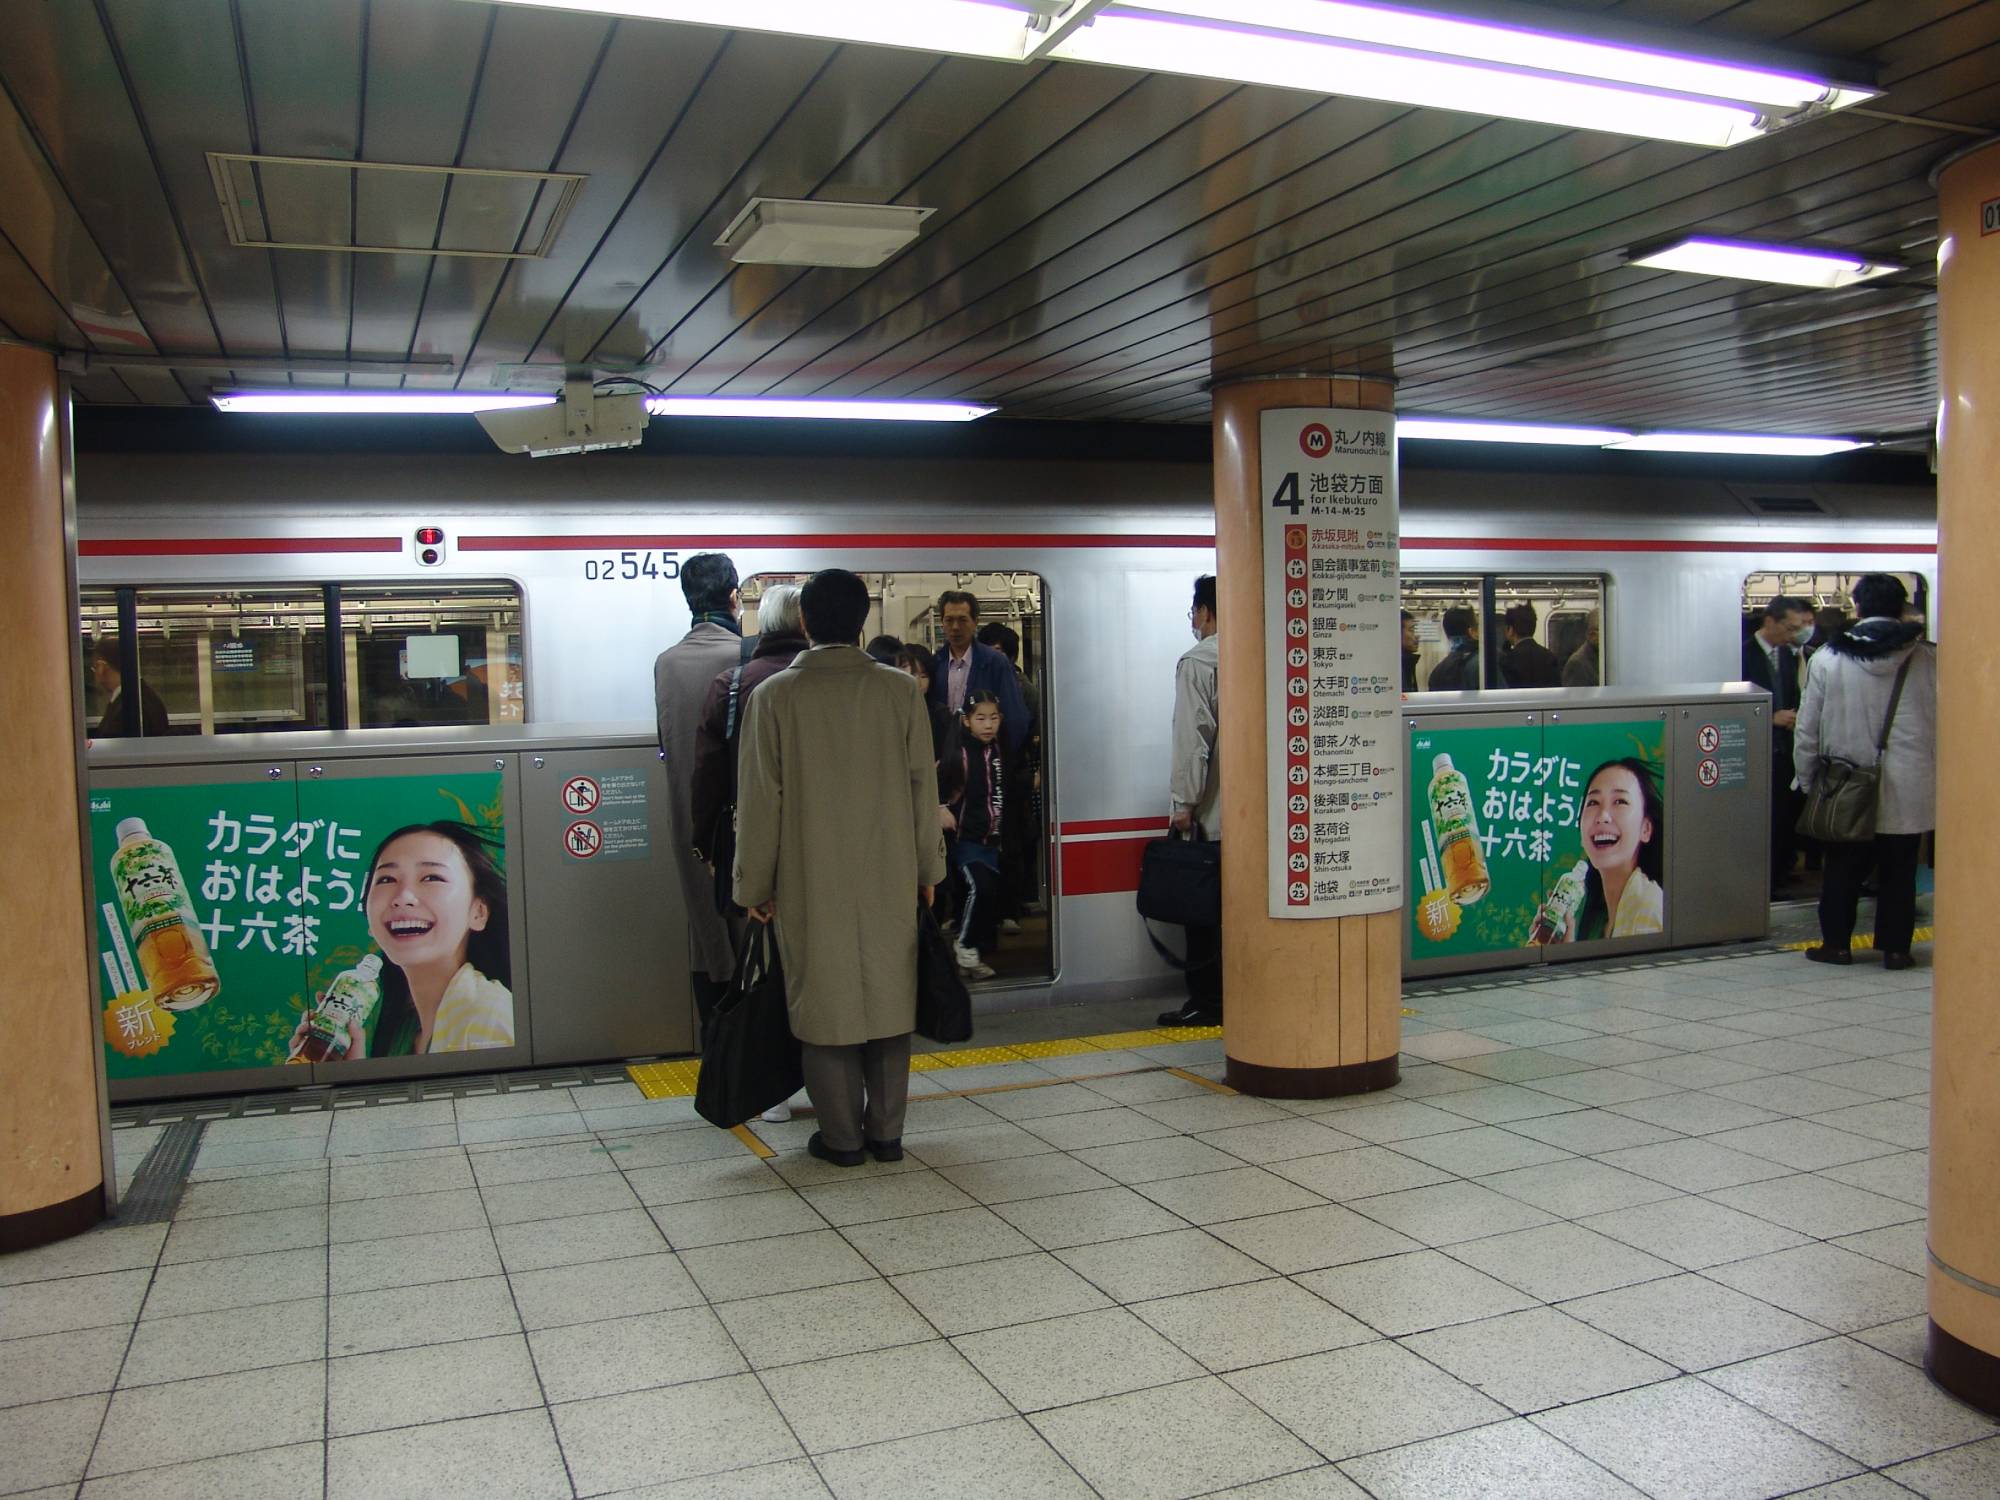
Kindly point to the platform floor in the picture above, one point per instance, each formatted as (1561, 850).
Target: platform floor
(1654, 1230)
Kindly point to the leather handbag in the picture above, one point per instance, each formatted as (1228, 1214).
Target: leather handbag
(1841, 803)
(944, 1005)
(750, 1060)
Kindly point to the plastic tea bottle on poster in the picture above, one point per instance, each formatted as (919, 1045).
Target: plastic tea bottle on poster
(173, 954)
(1462, 862)
(1554, 917)
(351, 998)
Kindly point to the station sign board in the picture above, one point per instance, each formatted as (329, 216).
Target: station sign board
(1332, 661)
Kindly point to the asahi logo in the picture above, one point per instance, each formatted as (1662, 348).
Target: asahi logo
(100, 804)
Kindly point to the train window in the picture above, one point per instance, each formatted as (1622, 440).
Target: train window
(1548, 631)
(105, 671)
(432, 655)
(1445, 614)
(1829, 595)
(231, 661)
(1008, 609)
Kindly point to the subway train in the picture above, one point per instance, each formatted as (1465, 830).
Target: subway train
(266, 592)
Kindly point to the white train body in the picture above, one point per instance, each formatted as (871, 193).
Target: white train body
(1116, 547)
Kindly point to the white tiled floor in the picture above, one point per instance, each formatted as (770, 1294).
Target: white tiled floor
(1649, 1232)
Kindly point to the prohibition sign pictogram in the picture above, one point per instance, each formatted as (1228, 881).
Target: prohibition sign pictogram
(1708, 737)
(1708, 773)
(583, 838)
(580, 794)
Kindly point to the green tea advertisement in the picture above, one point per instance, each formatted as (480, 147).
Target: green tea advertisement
(1536, 836)
(246, 925)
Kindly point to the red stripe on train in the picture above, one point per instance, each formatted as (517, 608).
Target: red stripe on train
(233, 546)
(238, 546)
(1093, 869)
(1156, 825)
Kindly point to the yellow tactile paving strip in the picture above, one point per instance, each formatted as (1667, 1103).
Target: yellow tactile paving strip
(1862, 940)
(676, 1080)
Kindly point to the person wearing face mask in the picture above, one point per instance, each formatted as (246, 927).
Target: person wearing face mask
(1771, 659)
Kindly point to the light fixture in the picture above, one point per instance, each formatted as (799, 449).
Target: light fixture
(1747, 260)
(802, 232)
(1448, 429)
(374, 402)
(1737, 443)
(1640, 85)
(817, 408)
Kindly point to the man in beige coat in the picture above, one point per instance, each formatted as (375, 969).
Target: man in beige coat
(837, 840)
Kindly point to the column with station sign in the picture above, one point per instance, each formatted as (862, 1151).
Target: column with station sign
(1311, 744)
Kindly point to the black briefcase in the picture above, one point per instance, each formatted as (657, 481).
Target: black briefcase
(1180, 881)
(749, 1058)
(944, 1005)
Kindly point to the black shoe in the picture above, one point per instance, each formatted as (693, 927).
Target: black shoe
(817, 1146)
(1899, 961)
(1830, 955)
(884, 1150)
(1190, 1015)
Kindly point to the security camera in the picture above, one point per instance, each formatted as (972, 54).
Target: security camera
(581, 422)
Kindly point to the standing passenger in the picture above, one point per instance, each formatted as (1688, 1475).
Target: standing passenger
(1581, 670)
(1195, 789)
(681, 676)
(110, 681)
(1459, 671)
(1411, 649)
(1524, 661)
(837, 842)
(1771, 660)
(965, 666)
(780, 638)
(1848, 689)
(973, 790)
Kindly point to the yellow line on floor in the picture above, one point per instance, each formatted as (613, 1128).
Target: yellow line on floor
(1865, 941)
(748, 1137)
(1207, 1083)
(676, 1079)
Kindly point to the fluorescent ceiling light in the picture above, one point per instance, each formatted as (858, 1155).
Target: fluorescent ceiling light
(801, 232)
(1128, 37)
(1737, 442)
(817, 408)
(398, 402)
(1746, 261)
(1450, 430)
(1325, 47)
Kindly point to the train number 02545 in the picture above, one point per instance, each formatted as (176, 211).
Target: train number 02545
(628, 567)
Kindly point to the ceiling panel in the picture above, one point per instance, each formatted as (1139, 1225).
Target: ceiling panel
(1104, 243)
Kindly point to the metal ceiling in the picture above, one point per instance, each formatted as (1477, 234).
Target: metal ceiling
(1105, 244)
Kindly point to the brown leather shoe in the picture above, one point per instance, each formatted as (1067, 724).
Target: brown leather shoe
(1823, 955)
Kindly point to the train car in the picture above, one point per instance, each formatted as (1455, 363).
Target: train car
(287, 591)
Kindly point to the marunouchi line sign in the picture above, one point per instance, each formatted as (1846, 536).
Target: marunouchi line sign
(1332, 662)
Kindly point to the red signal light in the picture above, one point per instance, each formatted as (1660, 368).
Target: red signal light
(430, 536)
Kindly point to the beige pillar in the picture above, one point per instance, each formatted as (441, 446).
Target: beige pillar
(1964, 1236)
(1312, 1008)
(51, 1140)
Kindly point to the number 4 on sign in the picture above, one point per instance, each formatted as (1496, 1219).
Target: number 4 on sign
(1287, 495)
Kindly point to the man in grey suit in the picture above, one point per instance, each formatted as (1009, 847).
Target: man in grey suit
(681, 675)
(837, 841)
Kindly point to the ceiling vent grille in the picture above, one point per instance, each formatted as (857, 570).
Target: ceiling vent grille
(388, 208)
(1786, 505)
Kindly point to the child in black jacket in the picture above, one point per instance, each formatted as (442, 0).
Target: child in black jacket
(972, 780)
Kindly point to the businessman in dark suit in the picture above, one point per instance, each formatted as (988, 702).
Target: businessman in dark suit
(1772, 659)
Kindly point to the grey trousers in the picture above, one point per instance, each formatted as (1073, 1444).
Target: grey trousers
(837, 1079)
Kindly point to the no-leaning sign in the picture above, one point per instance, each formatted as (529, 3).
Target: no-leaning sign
(1332, 662)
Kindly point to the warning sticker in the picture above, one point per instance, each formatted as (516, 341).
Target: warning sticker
(619, 825)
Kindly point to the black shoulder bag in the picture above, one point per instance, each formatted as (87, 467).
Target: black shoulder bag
(1180, 881)
(1841, 803)
(725, 822)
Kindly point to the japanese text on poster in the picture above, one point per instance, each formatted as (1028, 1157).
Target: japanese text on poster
(1332, 661)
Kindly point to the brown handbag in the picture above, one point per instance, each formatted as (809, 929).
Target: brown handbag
(1841, 803)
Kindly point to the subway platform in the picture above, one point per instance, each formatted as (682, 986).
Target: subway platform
(1647, 1229)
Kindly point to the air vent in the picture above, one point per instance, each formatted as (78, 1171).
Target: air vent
(1786, 505)
(389, 208)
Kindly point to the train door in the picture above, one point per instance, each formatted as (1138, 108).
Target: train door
(1008, 612)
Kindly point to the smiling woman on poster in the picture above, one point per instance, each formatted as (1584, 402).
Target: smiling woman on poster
(437, 910)
(1620, 822)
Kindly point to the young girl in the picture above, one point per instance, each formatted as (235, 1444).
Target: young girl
(972, 777)
(1621, 822)
(437, 909)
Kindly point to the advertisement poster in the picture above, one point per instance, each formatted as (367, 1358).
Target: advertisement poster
(1332, 661)
(242, 924)
(1531, 835)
